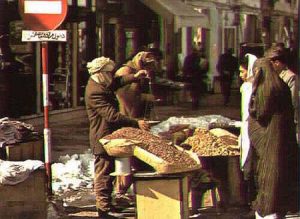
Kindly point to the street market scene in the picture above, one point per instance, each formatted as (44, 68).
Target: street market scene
(139, 109)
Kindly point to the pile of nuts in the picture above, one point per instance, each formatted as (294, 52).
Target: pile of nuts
(154, 145)
(205, 144)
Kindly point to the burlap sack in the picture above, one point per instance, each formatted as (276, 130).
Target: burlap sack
(119, 147)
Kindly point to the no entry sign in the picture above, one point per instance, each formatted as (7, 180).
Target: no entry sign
(43, 15)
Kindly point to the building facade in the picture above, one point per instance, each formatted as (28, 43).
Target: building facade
(21, 73)
(120, 28)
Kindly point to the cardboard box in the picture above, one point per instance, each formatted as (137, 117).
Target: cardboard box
(33, 150)
(27, 199)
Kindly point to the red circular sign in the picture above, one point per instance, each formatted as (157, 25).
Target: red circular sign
(43, 15)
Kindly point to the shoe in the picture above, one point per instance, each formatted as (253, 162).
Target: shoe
(123, 200)
(109, 214)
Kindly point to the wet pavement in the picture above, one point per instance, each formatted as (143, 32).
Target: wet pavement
(70, 136)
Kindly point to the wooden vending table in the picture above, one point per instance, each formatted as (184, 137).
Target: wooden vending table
(161, 196)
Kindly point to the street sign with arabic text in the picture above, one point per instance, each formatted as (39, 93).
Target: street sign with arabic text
(42, 36)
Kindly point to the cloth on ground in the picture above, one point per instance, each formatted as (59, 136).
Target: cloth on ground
(14, 172)
(12, 132)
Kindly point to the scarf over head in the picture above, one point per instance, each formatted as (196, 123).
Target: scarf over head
(141, 59)
(101, 69)
(251, 60)
(101, 64)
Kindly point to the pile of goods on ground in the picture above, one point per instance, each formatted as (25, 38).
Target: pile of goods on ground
(215, 142)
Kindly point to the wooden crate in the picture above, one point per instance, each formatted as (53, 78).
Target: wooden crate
(27, 199)
(164, 196)
(33, 150)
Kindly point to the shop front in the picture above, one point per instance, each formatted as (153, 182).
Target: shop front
(22, 73)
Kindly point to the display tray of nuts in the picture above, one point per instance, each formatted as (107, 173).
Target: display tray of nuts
(164, 157)
(119, 147)
(206, 144)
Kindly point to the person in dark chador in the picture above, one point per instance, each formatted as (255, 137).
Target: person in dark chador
(195, 67)
(272, 136)
(104, 117)
(227, 66)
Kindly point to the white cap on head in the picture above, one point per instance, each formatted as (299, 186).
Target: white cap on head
(101, 64)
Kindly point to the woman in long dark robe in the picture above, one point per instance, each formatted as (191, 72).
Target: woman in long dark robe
(272, 134)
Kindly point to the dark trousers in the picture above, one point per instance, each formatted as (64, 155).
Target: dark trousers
(197, 90)
(103, 182)
(249, 175)
(123, 183)
(226, 89)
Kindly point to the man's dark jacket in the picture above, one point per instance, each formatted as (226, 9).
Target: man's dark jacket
(102, 109)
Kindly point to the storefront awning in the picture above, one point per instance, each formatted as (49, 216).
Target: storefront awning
(182, 14)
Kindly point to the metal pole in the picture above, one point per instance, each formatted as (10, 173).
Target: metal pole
(298, 71)
(38, 71)
(47, 132)
(103, 38)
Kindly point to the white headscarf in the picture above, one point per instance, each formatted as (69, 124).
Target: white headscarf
(100, 69)
(251, 60)
(102, 64)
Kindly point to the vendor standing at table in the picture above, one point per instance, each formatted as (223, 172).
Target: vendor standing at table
(104, 117)
(135, 101)
(134, 98)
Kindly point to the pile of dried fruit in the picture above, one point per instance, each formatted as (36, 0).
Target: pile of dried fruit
(154, 145)
(204, 143)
